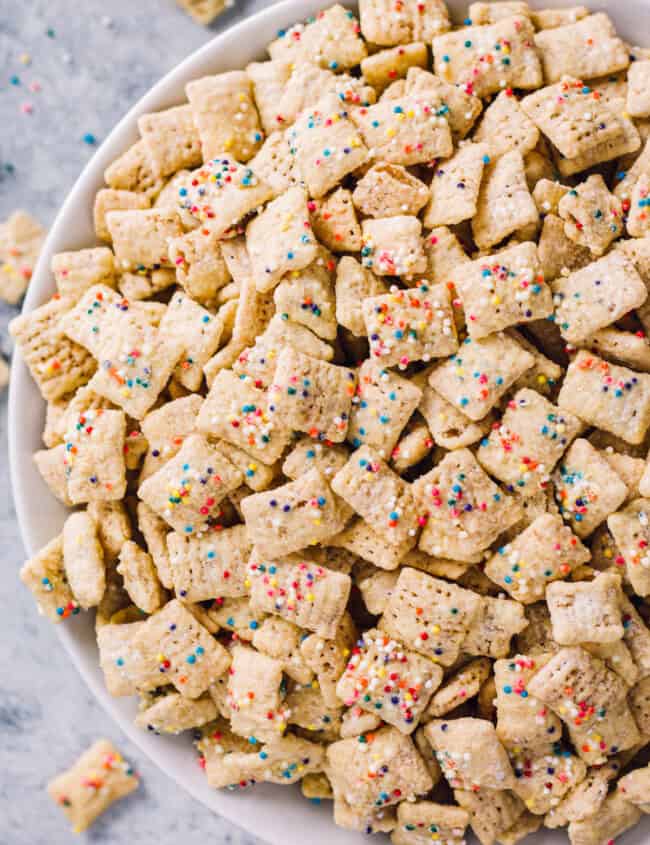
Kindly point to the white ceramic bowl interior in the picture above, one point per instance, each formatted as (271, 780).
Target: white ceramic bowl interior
(276, 814)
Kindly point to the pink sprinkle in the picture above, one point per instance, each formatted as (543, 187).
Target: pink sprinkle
(27, 108)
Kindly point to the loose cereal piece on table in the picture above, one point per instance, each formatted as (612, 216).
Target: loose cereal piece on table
(382, 676)
(638, 97)
(407, 325)
(635, 788)
(593, 217)
(100, 777)
(188, 656)
(385, 66)
(331, 39)
(476, 377)
(171, 140)
(279, 239)
(239, 412)
(94, 457)
(481, 14)
(335, 223)
(504, 203)
(281, 640)
(317, 132)
(613, 398)
(546, 551)
(387, 190)
(312, 396)
(631, 533)
(296, 515)
(591, 700)
(83, 559)
(455, 186)
(505, 127)
(524, 726)
(203, 11)
(21, 239)
(585, 49)
(553, 18)
(429, 615)
(140, 578)
(76, 272)
(309, 453)
(613, 818)
(460, 57)
(459, 688)
(463, 509)
(409, 130)
(497, 622)
(587, 489)
(379, 496)
(596, 296)
(254, 695)
(45, 576)
(418, 823)
(392, 246)
(415, 22)
(200, 267)
(470, 754)
(362, 539)
(225, 115)
(188, 490)
(173, 714)
(587, 611)
(57, 364)
(140, 237)
(353, 769)
(525, 446)
(504, 289)
(307, 594)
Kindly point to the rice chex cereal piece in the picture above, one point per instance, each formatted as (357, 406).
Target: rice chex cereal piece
(523, 449)
(638, 99)
(638, 224)
(552, 18)
(474, 379)
(253, 697)
(455, 186)
(171, 140)
(585, 49)
(335, 223)
(418, 822)
(203, 11)
(186, 319)
(140, 578)
(614, 817)
(165, 429)
(331, 39)
(45, 576)
(94, 456)
(470, 754)
(225, 116)
(379, 495)
(385, 678)
(307, 453)
(383, 404)
(173, 714)
(188, 656)
(312, 396)
(387, 190)
(505, 127)
(504, 289)
(586, 488)
(587, 611)
(545, 780)
(635, 788)
(408, 325)
(76, 272)
(382, 24)
(281, 639)
(140, 237)
(629, 528)
(384, 67)
(481, 14)
(188, 490)
(460, 107)
(594, 216)
(391, 246)
(83, 559)
(610, 397)
(200, 266)
(504, 203)
(449, 427)
(459, 688)
(462, 57)
(362, 539)
(545, 551)
(389, 772)
(497, 622)
(429, 615)
(21, 239)
(293, 516)
(99, 777)
(492, 812)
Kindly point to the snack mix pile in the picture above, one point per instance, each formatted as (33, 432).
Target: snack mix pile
(352, 408)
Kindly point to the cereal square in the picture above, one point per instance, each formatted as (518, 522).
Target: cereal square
(614, 148)
(505, 127)
(417, 822)
(140, 578)
(383, 499)
(586, 488)
(360, 538)
(94, 456)
(200, 266)
(307, 453)
(552, 18)
(455, 186)
(629, 528)
(492, 812)
(477, 376)
(450, 428)
(141, 237)
(460, 107)
(45, 576)
(463, 510)
(430, 615)
(635, 788)
(280, 240)
(203, 11)
(21, 239)
(312, 396)
(225, 116)
(537, 787)
(593, 217)
(481, 14)
(198, 329)
(638, 220)
(334, 221)
(544, 552)
(461, 57)
(187, 491)
(638, 93)
(76, 272)
(354, 283)
(331, 39)
(584, 49)
(306, 594)
(504, 203)
(295, 515)
(459, 688)
(498, 621)
(392, 246)
(99, 777)
(132, 172)
(385, 66)
(83, 559)
(165, 428)
(387, 190)
(409, 130)
(171, 140)
(470, 753)
(382, 23)
(254, 695)
(522, 450)
(410, 325)
(307, 297)
(610, 397)
(586, 611)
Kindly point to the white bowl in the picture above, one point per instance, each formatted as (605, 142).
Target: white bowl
(279, 815)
